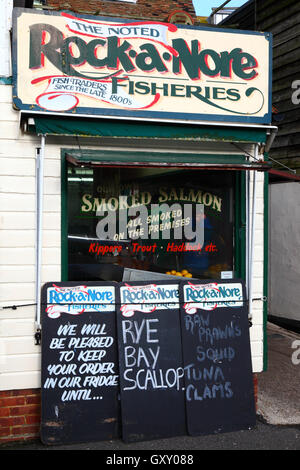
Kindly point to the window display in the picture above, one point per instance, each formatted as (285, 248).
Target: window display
(170, 221)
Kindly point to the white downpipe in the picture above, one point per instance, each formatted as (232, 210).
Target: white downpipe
(39, 227)
(252, 239)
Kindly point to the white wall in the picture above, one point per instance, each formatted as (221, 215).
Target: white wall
(284, 250)
(5, 26)
(257, 329)
(19, 356)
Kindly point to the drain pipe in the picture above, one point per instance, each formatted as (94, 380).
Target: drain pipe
(40, 155)
(252, 239)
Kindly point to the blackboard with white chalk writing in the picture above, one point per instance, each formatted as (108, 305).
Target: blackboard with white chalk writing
(218, 376)
(150, 360)
(80, 382)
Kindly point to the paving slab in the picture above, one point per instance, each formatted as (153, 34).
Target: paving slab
(279, 387)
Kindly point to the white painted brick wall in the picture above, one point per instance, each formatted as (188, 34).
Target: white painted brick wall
(5, 25)
(19, 357)
(256, 331)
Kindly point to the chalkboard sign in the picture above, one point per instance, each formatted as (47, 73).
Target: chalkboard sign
(217, 358)
(79, 363)
(150, 360)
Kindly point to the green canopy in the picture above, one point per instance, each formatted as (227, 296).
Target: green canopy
(86, 127)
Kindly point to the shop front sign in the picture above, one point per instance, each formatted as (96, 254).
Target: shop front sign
(88, 65)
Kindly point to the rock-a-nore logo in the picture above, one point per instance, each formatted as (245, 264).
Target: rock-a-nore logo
(138, 66)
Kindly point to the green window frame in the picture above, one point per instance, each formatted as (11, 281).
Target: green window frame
(240, 201)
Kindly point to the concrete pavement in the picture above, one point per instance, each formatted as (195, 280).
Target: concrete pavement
(279, 387)
(261, 437)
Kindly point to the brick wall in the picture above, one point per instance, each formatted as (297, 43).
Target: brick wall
(145, 9)
(19, 415)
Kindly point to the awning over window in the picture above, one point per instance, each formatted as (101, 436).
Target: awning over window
(114, 128)
(279, 176)
(94, 159)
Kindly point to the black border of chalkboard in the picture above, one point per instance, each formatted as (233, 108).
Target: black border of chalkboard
(154, 413)
(207, 416)
(75, 422)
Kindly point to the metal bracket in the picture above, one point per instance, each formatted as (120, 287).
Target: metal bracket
(38, 337)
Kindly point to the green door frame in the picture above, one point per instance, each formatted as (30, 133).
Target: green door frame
(64, 218)
(240, 225)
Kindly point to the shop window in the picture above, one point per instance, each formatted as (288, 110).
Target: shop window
(104, 237)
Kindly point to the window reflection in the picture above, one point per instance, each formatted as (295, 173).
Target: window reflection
(104, 239)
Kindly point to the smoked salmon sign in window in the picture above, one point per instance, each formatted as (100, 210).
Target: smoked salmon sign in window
(89, 65)
(164, 221)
